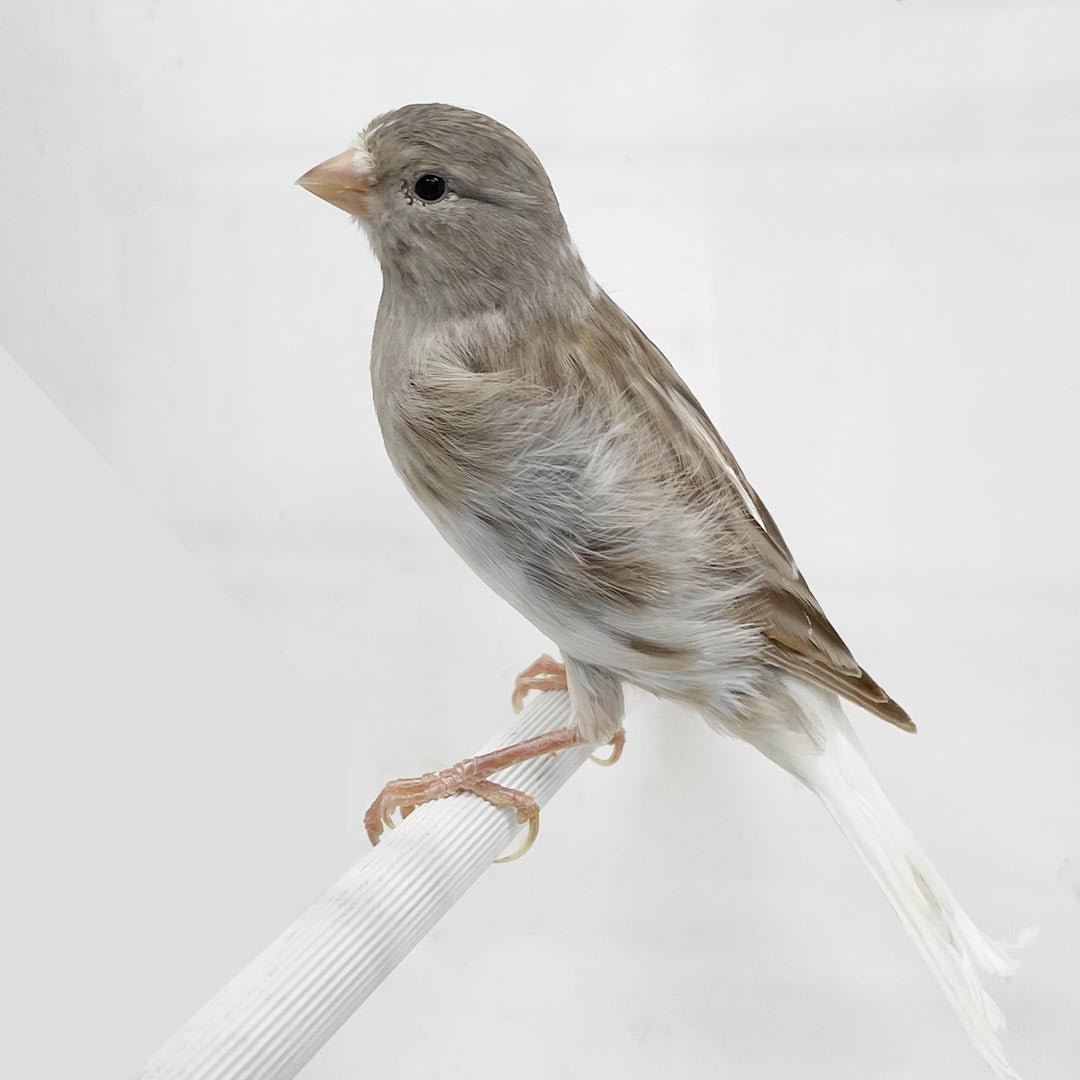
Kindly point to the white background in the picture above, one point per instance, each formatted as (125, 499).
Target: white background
(853, 226)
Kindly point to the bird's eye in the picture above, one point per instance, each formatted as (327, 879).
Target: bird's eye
(430, 187)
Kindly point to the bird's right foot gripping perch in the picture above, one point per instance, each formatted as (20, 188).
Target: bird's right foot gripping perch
(472, 776)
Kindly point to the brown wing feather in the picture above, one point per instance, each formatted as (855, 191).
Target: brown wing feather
(802, 640)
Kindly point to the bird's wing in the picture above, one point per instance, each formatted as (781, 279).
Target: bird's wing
(801, 639)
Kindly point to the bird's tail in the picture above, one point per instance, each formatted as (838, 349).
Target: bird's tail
(832, 763)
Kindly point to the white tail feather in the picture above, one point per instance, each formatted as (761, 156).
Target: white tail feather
(826, 755)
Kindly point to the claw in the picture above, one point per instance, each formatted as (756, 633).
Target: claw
(530, 837)
(617, 743)
(388, 817)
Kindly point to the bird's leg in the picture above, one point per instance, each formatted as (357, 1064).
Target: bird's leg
(471, 776)
(544, 673)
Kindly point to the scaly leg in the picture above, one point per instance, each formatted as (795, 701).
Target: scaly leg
(470, 775)
(544, 674)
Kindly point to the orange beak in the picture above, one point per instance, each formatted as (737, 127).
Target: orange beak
(343, 181)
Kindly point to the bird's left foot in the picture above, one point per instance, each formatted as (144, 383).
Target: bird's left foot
(471, 776)
(544, 673)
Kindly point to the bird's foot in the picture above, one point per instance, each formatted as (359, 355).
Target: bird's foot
(544, 673)
(618, 741)
(471, 776)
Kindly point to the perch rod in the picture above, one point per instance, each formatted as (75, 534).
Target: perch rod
(273, 1016)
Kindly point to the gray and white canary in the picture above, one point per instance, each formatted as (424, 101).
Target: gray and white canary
(556, 449)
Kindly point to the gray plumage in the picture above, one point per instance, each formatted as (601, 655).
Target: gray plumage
(562, 456)
(556, 449)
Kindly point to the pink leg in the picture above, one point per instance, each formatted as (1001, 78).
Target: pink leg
(546, 673)
(470, 775)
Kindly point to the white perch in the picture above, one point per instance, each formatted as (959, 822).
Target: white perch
(272, 1018)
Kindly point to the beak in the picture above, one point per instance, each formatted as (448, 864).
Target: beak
(343, 181)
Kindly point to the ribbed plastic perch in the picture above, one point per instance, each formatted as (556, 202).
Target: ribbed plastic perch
(270, 1020)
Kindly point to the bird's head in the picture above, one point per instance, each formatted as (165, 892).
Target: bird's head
(459, 211)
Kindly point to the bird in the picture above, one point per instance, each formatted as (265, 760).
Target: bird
(557, 450)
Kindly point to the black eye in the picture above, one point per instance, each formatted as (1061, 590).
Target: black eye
(430, 187)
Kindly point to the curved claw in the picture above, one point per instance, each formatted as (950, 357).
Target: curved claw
(388, 817)
(530, 839)
(616, 744)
